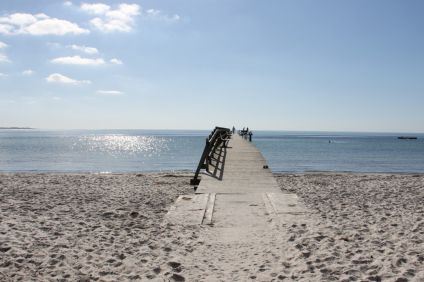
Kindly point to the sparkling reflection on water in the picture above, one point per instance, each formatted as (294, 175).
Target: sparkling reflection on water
(117, 145)
(100, 150)
(165, 150)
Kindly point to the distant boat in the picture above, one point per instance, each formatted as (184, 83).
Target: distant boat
(408, 137)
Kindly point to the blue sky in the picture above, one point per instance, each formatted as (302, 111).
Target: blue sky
(282, 65)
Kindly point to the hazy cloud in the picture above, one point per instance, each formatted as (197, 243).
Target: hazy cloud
(85, 49)
(110, 92)
(77, 60)
(159, 15)
(54, 45)
(28, 72)
(38, 24)
(81, 48)
(59, 78)
(4, 58)
(116, 61)
(67, 3)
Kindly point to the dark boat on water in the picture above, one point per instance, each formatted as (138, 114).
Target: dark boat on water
(408, 137)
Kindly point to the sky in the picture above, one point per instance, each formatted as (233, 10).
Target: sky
(329, 65)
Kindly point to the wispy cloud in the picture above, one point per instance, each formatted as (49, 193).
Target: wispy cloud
(120, 19)
(30, 100)
(85, 49)
(116, 61)
(4, 58)
(7, 101)
(61, 79)
(77, 60)
(54, 45)
(159, 15)
(3, 75)
(38, 24)
(67, 3)
(28, 72)
(110, 92)
(80, 48)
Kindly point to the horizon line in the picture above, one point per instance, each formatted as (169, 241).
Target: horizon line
(197, 129)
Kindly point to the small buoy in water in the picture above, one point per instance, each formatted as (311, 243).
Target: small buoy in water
(265, 166)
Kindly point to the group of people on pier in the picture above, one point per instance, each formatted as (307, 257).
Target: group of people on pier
(245, 133)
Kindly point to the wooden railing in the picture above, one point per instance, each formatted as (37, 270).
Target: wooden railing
(218, 138)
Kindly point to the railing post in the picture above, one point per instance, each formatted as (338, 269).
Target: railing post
(207, 160)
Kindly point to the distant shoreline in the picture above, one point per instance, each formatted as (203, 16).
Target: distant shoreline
(189, 173)
(14, 127)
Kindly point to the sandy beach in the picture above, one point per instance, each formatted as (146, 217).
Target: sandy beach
(367, 226)
(82, 227)
(109, 227)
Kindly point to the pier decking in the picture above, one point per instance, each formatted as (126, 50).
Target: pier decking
(243, 171)
(239, 214)
(239, 190)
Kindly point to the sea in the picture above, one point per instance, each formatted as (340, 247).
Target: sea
(119, 151)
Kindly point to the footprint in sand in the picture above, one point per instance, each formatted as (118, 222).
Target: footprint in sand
(177, 277)
(157, 270)
(174, 264)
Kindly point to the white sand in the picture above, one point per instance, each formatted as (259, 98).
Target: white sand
(85, 227)
(368, 227)
(81, 226)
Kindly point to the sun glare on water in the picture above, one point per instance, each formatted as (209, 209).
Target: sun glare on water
(124, 144)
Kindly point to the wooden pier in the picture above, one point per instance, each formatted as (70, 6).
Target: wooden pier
(237, 184)
(238, 213)
(243, 171)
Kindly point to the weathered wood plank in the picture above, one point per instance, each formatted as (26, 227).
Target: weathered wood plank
(188, 209)
(209, 209)
(286, 203)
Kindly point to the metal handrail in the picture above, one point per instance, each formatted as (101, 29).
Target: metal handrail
(218, 136)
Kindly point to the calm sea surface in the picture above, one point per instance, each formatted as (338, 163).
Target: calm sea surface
(168, 150)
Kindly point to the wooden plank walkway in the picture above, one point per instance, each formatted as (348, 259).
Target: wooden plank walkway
(241, 212)
(243, 171)
(240, 183)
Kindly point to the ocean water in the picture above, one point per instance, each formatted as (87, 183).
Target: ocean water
(341, 152)
(171, 150)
